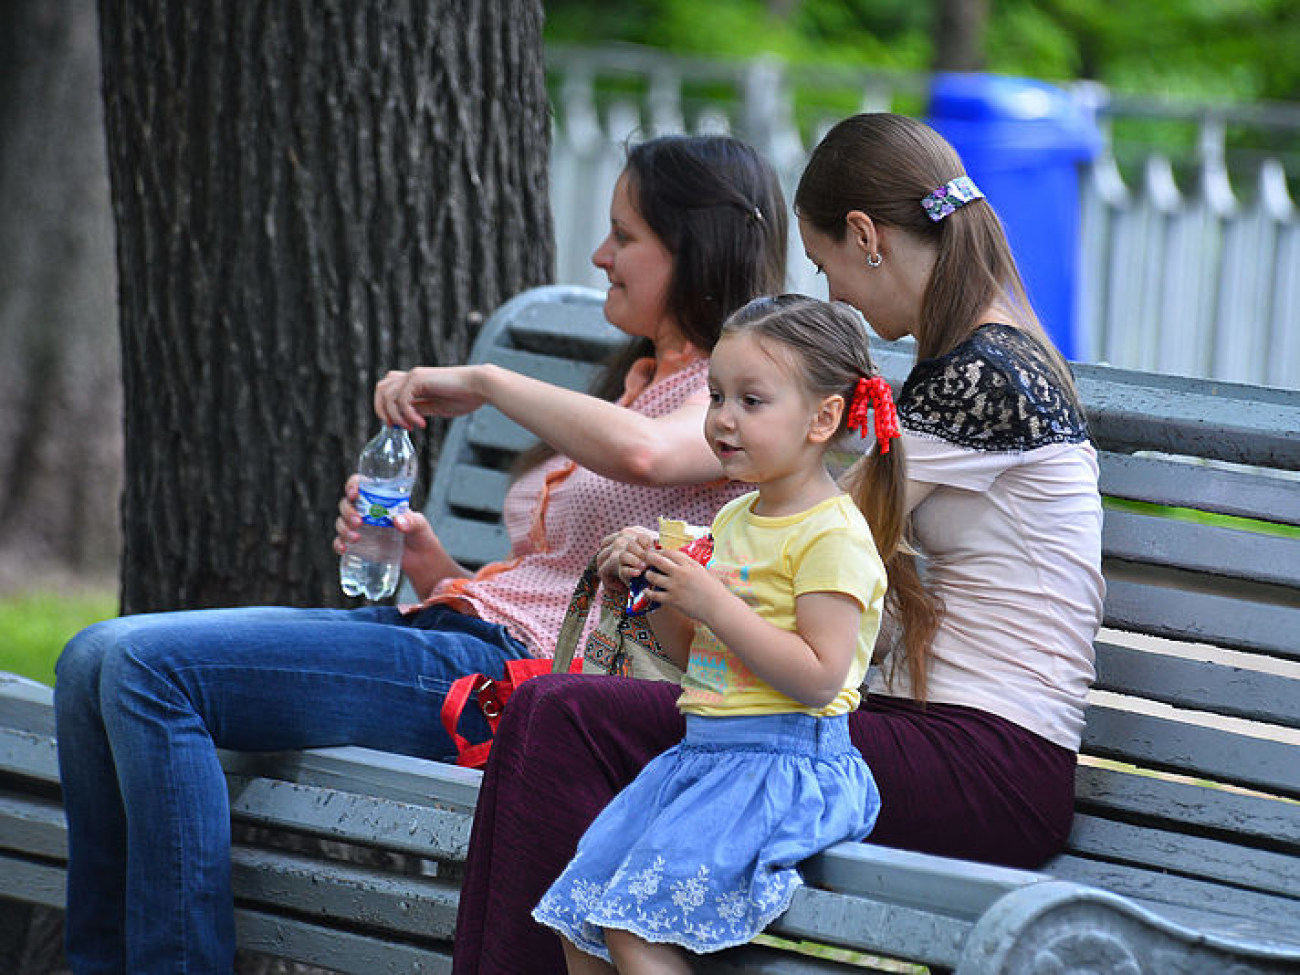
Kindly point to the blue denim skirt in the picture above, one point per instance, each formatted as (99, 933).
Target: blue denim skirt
(701, 849)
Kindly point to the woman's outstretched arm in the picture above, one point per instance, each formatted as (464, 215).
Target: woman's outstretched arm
(603, 437)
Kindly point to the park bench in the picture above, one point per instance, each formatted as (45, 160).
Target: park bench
(1185, 852)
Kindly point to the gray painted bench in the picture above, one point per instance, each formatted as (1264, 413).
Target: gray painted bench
(1185, 853)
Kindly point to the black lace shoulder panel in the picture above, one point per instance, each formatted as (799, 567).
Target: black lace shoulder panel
(996, 392)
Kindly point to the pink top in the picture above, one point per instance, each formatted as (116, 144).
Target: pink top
(1013, 546)
(529, 592)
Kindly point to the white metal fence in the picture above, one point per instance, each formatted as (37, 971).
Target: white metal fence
(1195, 273)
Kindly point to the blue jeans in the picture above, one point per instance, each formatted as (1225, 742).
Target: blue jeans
(144, 702)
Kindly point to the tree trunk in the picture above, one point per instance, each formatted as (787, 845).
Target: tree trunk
(959, 35)
(60, 435)
(306, 195)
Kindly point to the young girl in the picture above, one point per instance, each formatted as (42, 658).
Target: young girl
(700, 851)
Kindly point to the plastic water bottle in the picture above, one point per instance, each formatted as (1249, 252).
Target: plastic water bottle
(373, 563)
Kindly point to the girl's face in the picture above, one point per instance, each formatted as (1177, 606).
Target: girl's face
(639, 268)
(889, 296)
(760, 417)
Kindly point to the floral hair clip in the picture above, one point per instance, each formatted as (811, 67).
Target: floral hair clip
(874, 394)
(949, 197)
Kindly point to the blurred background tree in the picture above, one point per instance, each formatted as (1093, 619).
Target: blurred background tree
(1225, 50)
(60, 401)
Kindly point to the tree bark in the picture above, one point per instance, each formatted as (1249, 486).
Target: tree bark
(306, 195)
(60, 432)
(959, 35)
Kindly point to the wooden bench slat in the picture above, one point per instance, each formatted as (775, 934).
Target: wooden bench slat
(25, 880)
(909, 878)
(366, 772)
(1188, 856)
(1217, 907)
(33, 755)
(38, 827)
(33, 826)
(1183, 806)
(341, 951)
(1201, 616)
(1149, 741)
(352, 818)
(1130, 411)
(348, 894)
(481, 490)
(547, 338)
(1188, 484)
(1202, 685)
(552, 369)
(469, 541)
(490, 430)
(26, 704)
(1216, 551)
(874, 927)
(561, 319)
(1263, 945)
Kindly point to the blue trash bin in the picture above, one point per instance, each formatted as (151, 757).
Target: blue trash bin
(1023, 142)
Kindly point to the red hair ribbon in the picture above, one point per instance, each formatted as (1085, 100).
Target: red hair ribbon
(874, 394)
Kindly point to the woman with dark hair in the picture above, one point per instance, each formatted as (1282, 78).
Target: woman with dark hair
(972, 721)
(697, 228)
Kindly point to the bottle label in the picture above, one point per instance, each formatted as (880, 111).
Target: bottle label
(377, 504)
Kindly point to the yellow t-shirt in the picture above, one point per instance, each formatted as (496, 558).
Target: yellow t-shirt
(769, 562)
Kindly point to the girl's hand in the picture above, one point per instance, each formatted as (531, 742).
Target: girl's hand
(684, 585)
(622, 555)
(404, 399)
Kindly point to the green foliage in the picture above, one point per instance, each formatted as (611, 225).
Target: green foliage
(1027, 40)
(881, 35)
(35, 626)
(1226, 50)
(1217, 49)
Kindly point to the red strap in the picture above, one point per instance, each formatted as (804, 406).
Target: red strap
(491, 696)
(453, 705)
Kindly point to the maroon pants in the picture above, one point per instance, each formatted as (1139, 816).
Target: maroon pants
(953, 781)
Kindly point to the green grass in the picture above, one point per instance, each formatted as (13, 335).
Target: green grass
(1205, 517)
(868, 963)
(35, 626)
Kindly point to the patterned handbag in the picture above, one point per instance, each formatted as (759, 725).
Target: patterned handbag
(620, 644)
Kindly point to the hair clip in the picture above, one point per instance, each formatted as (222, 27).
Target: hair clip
(874, 395)
(949, 197)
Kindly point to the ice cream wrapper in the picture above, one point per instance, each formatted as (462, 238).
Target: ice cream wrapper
(694, 540)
